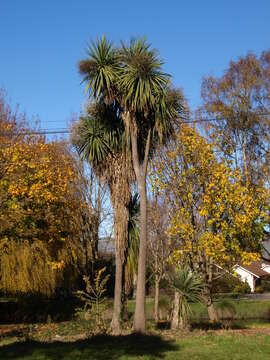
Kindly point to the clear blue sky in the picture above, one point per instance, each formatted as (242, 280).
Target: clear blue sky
(41, 42)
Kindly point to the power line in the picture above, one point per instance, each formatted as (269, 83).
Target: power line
(52, 131)
(48, 132)
(41, 132)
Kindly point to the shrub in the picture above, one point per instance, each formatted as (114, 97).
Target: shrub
(229, 283)
(242, 288)
(263, 287)
(93, 299)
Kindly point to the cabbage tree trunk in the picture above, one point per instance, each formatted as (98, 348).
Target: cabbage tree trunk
(121, 217)
(175, 312)
(139, 318)
(140, 173)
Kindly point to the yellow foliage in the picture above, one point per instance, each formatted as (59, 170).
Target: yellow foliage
(39, 210)
(215, 217)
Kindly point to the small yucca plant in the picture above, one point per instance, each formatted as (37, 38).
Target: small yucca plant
(189, 286)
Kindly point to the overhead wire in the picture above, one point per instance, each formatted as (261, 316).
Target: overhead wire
(52, 131)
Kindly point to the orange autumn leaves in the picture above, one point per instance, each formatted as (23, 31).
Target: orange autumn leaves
(39, 210)
(38, 182)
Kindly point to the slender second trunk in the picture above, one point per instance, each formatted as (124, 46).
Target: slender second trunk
(140, 172)
(175, 312)
(156, 313)
(139, 317)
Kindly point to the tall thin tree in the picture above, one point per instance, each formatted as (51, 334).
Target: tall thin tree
(98, 138)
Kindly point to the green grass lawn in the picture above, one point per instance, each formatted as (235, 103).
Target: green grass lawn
(35, 310)
(57, 340)
(207, 347)
(245, 309)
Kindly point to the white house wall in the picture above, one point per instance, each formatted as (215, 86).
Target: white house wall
(266, 267)
(245, 276)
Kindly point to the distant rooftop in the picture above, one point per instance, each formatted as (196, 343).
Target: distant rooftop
(257, 268)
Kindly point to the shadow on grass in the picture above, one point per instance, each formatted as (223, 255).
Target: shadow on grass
(206, 325)
(223, 324)
(163, 325)
(95, 348)
(34, 309)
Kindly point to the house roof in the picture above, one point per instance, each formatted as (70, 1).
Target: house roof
(255, 268)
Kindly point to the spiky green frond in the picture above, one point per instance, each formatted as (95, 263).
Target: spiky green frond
(188, 284)
(169, 107)
(100, 133)
(101, 69)
(132, 79)
(94, 144)
(141, 78)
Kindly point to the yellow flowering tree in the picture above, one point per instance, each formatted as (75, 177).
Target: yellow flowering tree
(41, 223)
(215, 219)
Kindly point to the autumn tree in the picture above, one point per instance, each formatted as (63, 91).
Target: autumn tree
(237, 105)
(12, 126)
(159, 246)
(215, 219)
(93, 194)
(40, 214)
